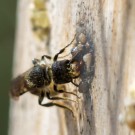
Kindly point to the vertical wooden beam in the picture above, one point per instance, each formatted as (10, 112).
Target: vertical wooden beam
(110, 28)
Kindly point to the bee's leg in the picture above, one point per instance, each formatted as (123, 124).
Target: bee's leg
(35, 61)
(62, 50)
(62, 91)
(41, 97)
(46, 56)
(49, 104)
(58, 98)
(75, 84)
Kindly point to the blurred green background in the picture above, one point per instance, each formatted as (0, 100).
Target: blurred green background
(7, 32)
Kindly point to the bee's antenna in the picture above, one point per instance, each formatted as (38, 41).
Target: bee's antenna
(70, 42)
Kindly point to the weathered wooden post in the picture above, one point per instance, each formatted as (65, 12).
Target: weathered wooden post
(110, 28)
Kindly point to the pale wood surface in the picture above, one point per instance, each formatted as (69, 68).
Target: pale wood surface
(110, 24)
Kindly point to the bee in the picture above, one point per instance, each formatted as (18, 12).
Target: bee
(43, 78)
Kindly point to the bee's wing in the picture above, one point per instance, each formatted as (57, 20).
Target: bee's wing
(19, 85)
(36, 91)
